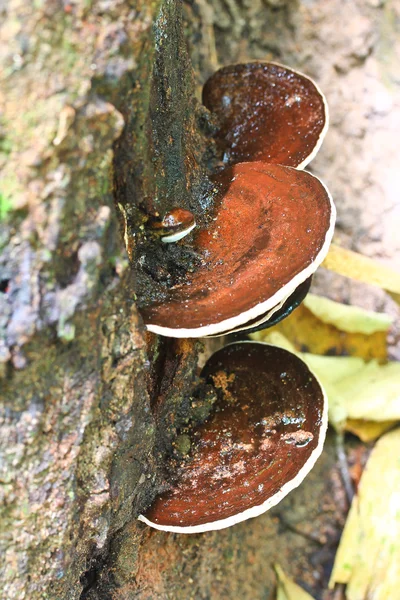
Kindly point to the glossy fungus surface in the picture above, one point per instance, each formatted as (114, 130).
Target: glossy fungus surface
(266, 112)
(175, 225)
(264, 435)
(271, 229)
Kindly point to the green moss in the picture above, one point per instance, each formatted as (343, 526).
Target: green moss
(5, 206)
(182, 444)
(9, 189)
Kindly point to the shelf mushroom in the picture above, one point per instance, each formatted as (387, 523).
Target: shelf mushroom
(271, 229)
(266, 112)
(175, 225)
(265, 434)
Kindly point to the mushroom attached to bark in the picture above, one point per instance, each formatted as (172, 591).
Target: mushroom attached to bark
(271, 229)
(264, 435)
(266, 112)
(174, 226)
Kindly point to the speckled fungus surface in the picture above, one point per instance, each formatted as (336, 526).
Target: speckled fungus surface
(263, 437)
(271, 229)
(266, 112)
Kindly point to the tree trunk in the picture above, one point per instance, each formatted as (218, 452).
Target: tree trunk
(92, 95)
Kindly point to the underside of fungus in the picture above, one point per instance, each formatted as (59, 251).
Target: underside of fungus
(278, 313)
(264, 435)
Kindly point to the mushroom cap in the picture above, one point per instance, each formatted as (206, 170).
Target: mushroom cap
(271, 229)
(266, 112)
(265, 434)
(175, 225)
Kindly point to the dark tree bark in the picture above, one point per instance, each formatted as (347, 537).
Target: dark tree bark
(99, 129)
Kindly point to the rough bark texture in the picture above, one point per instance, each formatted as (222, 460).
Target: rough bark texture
(89, 404)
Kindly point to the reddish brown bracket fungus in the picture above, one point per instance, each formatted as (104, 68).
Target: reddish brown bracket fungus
(174, 226)
(271, 229)
(266, 112)
(263, 437)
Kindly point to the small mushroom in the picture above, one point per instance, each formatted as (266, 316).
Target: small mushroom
(264, 435)
(266, 112)
(174, 226)
(271, 229)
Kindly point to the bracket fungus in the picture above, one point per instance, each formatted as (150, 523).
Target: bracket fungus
(280, 312)
(266, 112)
(272, 223)
(271, 229)
(175, 225)
(264, 435)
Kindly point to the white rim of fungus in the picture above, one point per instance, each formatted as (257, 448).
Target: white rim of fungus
(255, 511)
(259, 309)
(325, 128)
(263, 319)
(175, 237)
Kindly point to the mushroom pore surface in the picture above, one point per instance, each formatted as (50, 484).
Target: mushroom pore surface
(262, 438)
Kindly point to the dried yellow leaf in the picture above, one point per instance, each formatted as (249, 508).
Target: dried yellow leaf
(372, 393)
(287, 588)
(368, 556)
(368, 431)
(310, 334)
(354, 265)
(347, 318)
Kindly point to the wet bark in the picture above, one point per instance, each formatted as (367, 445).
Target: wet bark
(90, 94)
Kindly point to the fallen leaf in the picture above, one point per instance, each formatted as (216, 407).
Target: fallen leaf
(288, 589)
(351, 319)
(359, 267)
(368, 556)
(372, 393)
(368, 431)
(308, 333)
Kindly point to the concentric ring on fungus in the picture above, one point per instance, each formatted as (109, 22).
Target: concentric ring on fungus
(264, 435)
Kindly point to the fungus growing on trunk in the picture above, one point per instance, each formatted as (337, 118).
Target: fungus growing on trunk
(174, 226)
(264, 435)
(271, 229)
(266, 112)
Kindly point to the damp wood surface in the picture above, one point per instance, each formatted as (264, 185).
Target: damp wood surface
(80, 453)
